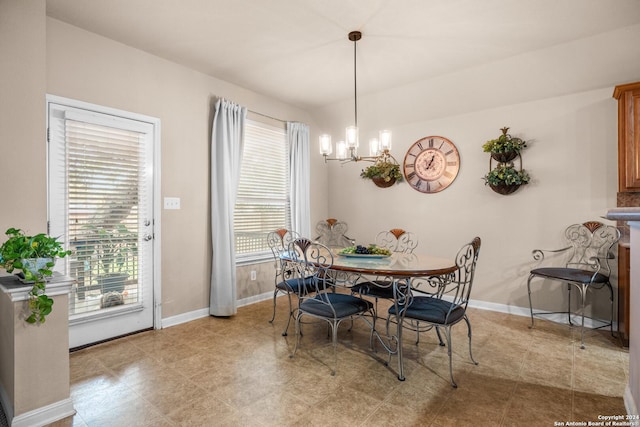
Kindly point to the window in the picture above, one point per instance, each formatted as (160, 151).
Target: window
(262, 204)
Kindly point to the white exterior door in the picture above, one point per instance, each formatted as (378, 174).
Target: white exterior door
(100, 192)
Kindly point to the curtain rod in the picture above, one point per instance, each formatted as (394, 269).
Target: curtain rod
(267, 116)
(260, 114)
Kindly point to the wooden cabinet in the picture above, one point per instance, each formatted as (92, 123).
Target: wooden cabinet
(624, 267)
(628, 96)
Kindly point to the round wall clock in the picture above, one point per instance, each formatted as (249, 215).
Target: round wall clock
(431, 164)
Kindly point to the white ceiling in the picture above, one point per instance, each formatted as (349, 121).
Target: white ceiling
(297, 51)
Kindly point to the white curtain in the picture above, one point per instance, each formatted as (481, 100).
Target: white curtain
(227, 138)
(298, 135)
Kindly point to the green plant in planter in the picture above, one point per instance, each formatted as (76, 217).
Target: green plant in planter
(505, 143)
(506, 174)
(383, 169)
(112, 250)
(35, 257)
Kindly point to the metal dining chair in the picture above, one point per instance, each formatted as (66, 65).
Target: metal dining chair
(587, 267)
(285, 283)
(447, 306)
(396, 240)
(333, 233)
(313, 259)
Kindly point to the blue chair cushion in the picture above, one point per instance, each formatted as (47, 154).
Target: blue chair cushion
(432, 310)
(343, 304)
(297, 285)
(570, 275)
(374, 289)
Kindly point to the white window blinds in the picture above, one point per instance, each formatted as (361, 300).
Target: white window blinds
(103, 196)
(262, 204)
(99, 172)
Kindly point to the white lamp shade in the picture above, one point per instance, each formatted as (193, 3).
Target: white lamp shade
(385, 140)
(351, 136)
(341, 150)
(374, 147)
(325, 145)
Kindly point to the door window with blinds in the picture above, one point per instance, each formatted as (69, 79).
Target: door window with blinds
(100, 196)
(262, 203)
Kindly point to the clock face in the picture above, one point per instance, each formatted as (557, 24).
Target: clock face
(431, 164)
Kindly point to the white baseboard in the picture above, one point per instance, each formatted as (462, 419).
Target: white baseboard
(525, 311)
(483, 305)
(44, 415)
(167, 322)
(629, 403)
(257, 298)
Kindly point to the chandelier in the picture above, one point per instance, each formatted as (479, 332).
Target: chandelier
(347, 150)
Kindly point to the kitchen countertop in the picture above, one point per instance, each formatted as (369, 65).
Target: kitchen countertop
(624, 214)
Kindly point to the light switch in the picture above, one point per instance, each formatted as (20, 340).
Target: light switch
(172, 202)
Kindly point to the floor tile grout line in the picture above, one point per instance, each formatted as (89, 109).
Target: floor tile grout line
(488, 324)
(518, 380)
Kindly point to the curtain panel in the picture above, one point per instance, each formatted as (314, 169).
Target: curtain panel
(298, 135)
(227, 138)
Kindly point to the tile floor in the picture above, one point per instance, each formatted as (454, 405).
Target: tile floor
(237, 372)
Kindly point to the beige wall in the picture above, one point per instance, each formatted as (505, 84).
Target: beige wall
(571, 157)
(22, 115)
(558, 99)
(90, 68)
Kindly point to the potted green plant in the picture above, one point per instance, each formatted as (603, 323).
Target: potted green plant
(504, 148)
(35, 257)
(114, 250)
(383, 173)
(505, 178)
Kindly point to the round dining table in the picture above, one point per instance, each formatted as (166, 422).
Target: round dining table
(399, 269)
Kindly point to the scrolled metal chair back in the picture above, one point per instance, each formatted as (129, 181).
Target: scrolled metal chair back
(397, 240)
(591, 244)
(459, 289)
(333, 233)
(279, 240)
(312, 259)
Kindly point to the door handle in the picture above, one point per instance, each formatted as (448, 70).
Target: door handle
(147, 237)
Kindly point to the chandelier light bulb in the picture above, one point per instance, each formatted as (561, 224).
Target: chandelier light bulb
(341, 150)
(351, 137)
(385, 140)
(374, 147)
(325, 145)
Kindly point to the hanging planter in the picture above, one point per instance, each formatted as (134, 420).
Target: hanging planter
(505, 189)
(380, 182)
(505, 178)
(504, 157)
(504, 148)
(384, 173)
